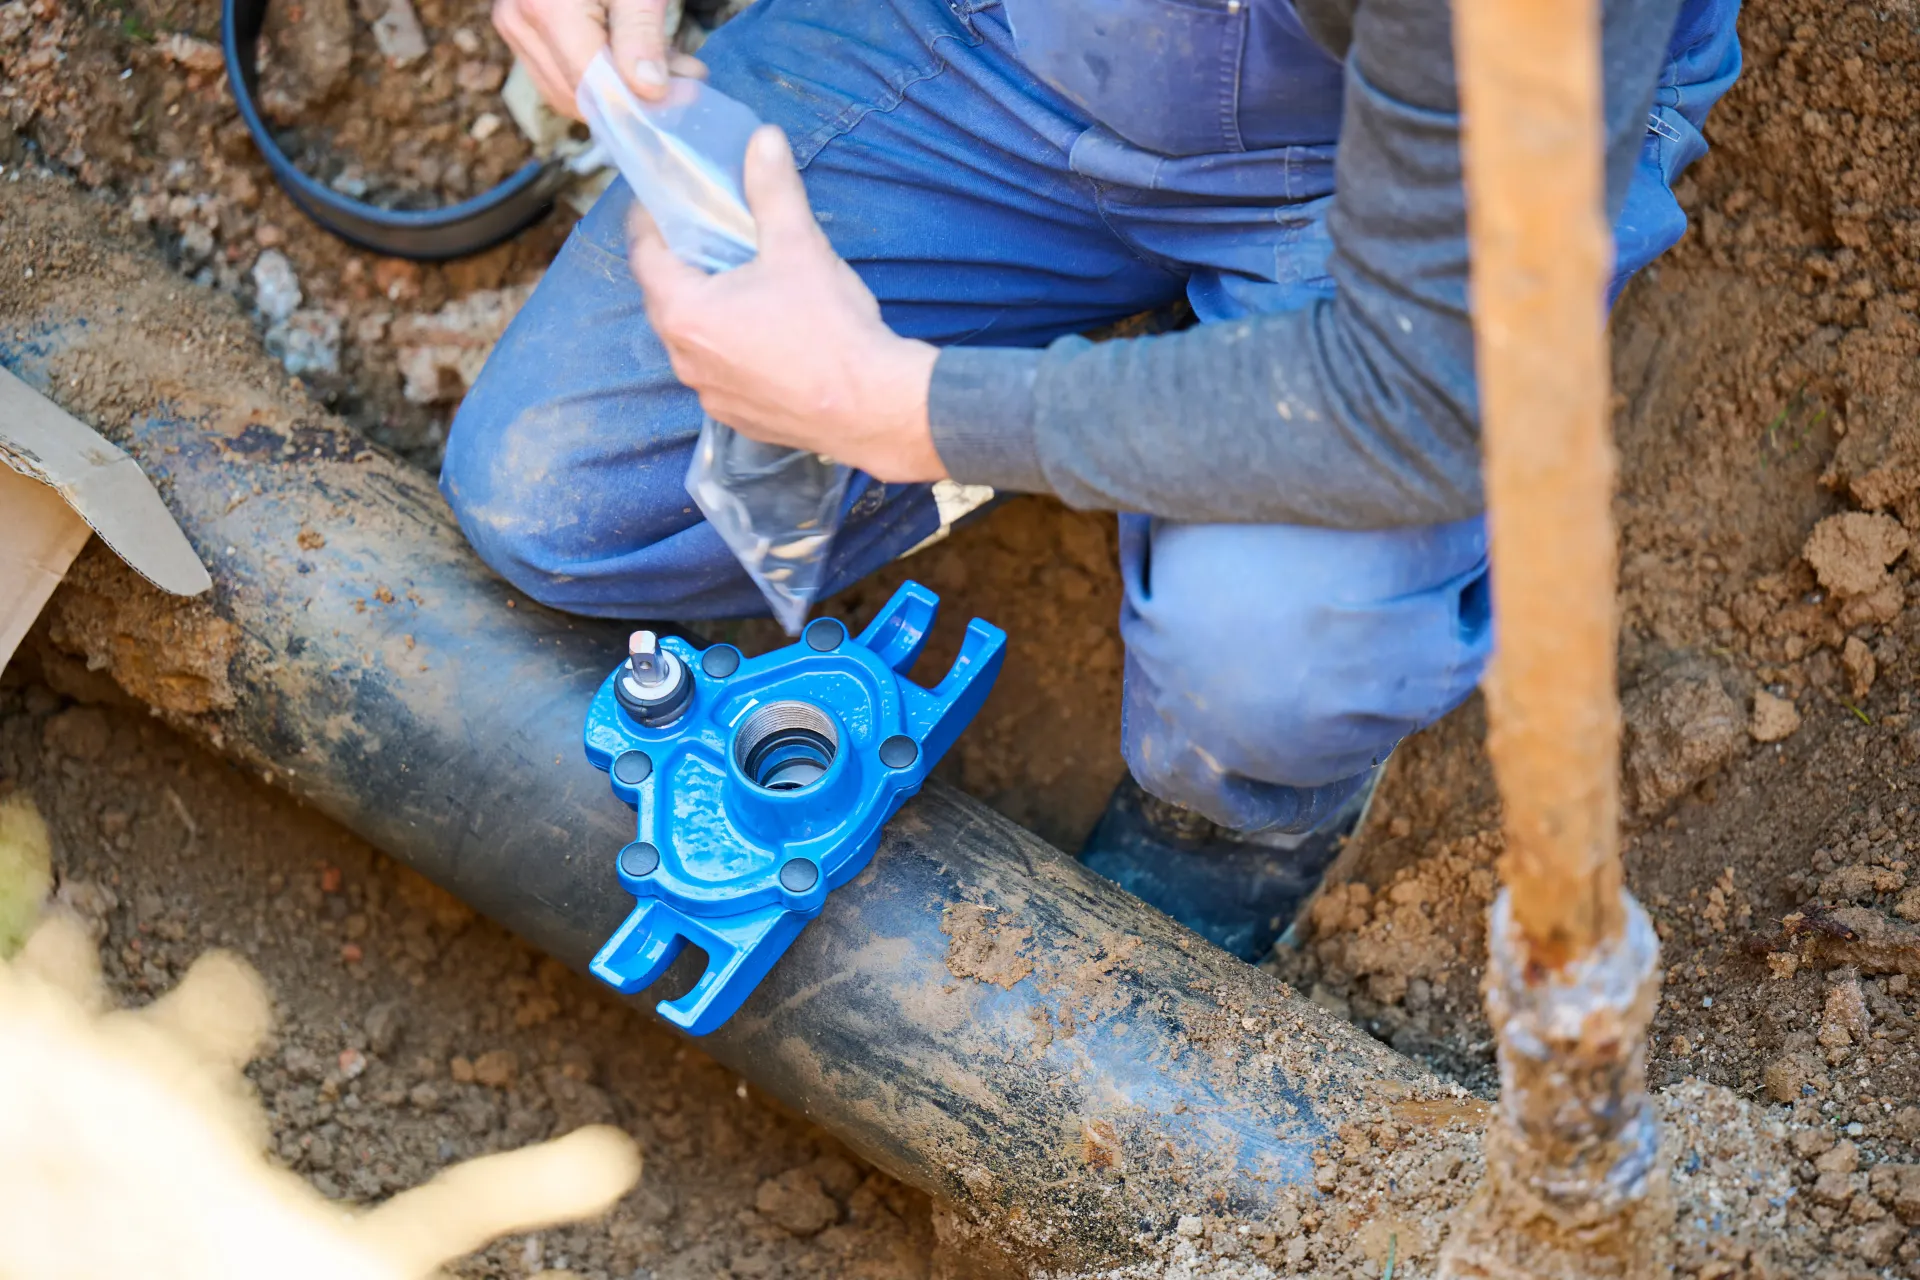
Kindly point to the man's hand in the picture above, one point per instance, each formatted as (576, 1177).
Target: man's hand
(131, 1144)
(556, 39)
(790, 348)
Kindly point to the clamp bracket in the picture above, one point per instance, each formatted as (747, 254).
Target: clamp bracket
(768, 787)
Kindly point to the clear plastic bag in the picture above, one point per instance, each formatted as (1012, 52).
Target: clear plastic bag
(776, 508)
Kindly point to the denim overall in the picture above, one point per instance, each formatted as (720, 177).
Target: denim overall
(1003, 173)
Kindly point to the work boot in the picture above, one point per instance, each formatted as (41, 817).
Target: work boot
(1236, 889)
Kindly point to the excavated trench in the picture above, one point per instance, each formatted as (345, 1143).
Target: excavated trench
(1766, 402)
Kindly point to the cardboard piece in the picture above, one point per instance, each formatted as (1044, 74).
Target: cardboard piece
(60, 482)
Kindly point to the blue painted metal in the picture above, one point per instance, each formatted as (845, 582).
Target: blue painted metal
(718, 867)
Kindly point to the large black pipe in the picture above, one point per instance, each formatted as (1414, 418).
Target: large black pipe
(1061, 1065)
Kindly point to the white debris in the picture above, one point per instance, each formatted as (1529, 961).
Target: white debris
(542, 126)
(308, 341)
(276, 288)
(440, 354)
(396, 30)
(195, 55)
(196, 244)
(486, 126)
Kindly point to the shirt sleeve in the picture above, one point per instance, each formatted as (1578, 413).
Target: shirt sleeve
(1359, 411)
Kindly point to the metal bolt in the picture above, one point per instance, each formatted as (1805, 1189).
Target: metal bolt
(643, 655)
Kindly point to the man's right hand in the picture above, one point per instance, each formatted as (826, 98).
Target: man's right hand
(556, 39)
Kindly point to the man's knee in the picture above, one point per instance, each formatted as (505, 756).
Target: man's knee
(1297, 656)
(507, 480)
(566, 462)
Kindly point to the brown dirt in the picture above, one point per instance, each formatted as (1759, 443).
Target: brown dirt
(130, 99)
(1767, 402)
(1766, 427)
(400, 133)
(411, 1034)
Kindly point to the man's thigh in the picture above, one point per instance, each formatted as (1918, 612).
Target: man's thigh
(938, 170)
(1263, 659)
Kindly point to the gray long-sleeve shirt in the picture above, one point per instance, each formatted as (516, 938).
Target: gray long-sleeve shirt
(1359, 411)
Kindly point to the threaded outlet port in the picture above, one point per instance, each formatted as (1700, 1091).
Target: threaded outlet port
(785, 746)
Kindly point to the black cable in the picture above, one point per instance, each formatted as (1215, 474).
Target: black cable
(425, 235)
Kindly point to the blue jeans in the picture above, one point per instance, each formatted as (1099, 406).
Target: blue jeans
(1267, 665)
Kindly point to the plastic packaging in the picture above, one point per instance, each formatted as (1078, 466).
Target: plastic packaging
(776, 508)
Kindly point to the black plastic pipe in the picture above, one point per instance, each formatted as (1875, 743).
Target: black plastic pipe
(1065, 1069)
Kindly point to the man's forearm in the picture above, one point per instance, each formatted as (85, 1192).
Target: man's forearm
(1358, 411)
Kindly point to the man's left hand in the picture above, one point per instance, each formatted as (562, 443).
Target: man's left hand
(790, 349)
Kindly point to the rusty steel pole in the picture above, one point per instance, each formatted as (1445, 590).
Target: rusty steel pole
(1574, 1186)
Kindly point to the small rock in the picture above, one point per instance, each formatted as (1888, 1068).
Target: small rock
(424, 1096)
(1808, 1143)
(497, 1068)
(460, 1069)
(1850, 552)
(386, 1023)
(196, 244)
(195, 55)
(1898, 1187)
(370, 329)
(485, 126)
(397, 279)
(475, 76)
(1877, 608)
(276, 289)
(836, 1173)
(16, 19)
(314, 48)
(1845, 1020)
(353, 1064)
(1858, 662)
(1833, 1188)
(302, 1063)
(440, 354)
(1191, 1225)
(350, 182)
(1842, 1157)
(797, 1203)
(1876, 1243)
(1681, 726)
(1773, 718)
(1855, 882)
(308, 341)
(467, 41)
(1906, 1123)
(396, 30)
(1789, 1078)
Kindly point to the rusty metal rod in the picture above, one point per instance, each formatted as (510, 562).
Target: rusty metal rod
(1573, 1186)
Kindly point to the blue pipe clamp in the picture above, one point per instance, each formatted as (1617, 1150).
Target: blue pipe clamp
(762, 784)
